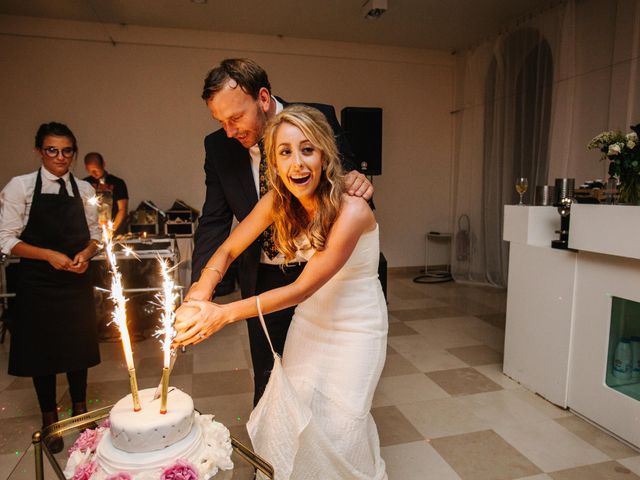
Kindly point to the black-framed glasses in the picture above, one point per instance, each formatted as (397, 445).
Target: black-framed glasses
(53, 152)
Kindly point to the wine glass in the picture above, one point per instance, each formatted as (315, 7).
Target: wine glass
(521, 187)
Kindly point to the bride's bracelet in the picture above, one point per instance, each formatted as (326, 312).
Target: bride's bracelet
(213, 269)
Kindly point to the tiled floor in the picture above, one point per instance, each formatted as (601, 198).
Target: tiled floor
(443, 408)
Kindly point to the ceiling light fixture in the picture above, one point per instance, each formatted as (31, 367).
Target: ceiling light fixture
(373, 9)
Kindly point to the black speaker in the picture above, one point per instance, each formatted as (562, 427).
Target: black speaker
(363, 127)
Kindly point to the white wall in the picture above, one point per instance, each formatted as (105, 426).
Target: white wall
(137, 101)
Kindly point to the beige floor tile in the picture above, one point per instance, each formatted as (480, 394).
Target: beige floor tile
(425, 302)
(601, 471)
(8, 462)
(397, 329)
(218, 346)
(502, 408)
(596, 437)
(550, 446)
(488, 335)
(405, 293)
(461, 323)
(483, 456)
(632, 463)
(108, 370)
(108, 393)
(423, 357)
(239, 432)
(218, 361)
(442, 417)
(475, 355)
(471, 306)
(426, 313)
(494, 372)
(440, 335)
(221, 383)
(15, 433)
(183, 382)
(495, 319)
(416, 461)
(26, 383)
(393, 427)
(152, 366)
(229, 410)
(541, 476)
(150, 347)
(396, 364)
(544, 406)
(19, 403)
(463, 381)
(406, 389)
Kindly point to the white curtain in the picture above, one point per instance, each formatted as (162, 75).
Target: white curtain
(528, 102)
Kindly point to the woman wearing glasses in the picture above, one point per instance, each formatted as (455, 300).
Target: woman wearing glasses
(46, 220)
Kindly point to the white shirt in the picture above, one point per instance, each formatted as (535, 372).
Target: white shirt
(15, 205)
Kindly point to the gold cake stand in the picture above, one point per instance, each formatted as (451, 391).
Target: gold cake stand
(70, 428)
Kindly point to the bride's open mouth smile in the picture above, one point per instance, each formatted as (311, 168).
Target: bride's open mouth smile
(300, 179)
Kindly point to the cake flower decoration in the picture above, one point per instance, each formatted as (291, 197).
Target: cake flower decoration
(181, 470)
(119, 476)
(85, 471)
(88, 440)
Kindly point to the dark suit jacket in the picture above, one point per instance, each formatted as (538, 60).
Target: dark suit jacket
(231, 191)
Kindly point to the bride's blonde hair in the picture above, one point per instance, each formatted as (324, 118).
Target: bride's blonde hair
(290, 218)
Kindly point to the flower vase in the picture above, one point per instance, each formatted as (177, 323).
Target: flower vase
(630, 190)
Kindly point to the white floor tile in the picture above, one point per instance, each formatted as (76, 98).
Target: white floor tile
(406, 389)
(550, 446)
(416, 461)
(442, 417)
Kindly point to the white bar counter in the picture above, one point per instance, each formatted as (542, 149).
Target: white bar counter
(559, 305)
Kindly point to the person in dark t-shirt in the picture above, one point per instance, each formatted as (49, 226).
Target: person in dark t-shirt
(109, 189)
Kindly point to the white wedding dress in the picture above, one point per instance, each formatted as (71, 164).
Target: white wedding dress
(313, 421)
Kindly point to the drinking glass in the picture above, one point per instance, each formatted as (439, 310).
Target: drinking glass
(521, 187)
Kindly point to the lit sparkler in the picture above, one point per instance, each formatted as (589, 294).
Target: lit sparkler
(119, 315)
(166, 332)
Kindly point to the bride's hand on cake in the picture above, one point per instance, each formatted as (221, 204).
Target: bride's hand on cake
(196, 320)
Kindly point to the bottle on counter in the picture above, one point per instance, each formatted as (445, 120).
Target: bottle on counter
(622, 359)
(635, 358)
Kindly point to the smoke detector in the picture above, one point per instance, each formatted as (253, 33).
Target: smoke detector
(373, 9)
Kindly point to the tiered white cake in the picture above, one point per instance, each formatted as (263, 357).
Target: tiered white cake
(145, 444)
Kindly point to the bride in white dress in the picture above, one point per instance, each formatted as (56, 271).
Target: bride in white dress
(314, 420)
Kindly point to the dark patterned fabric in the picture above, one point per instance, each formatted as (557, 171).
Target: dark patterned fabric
(266, 238)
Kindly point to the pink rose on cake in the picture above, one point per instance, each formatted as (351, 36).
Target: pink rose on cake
(119, 476)
(181, 470)
(85, 471)
(76, 459)
(88, 440)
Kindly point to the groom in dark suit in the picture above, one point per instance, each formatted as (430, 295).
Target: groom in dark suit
(238, 94)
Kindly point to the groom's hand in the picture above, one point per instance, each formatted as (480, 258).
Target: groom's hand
(358, 185)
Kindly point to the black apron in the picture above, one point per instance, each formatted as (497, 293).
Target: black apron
(55, 328)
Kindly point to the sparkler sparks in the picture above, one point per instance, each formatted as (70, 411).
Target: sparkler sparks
(167, 300)
(119, 314)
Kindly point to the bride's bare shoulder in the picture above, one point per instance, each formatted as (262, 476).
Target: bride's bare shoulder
(357, 210)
